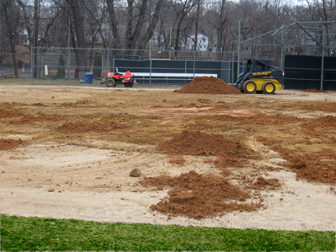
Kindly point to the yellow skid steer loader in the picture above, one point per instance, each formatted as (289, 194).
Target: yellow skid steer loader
(259, 76)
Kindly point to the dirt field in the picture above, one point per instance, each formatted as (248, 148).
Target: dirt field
(211, 158)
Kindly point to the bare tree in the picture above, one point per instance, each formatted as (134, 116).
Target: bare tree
(322, 10)
(78, 38)
(152, 23)
(7, 10)
(182, 9)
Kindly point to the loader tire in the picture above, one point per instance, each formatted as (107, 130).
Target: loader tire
(111, 83)
(249, 87)
(268, 87)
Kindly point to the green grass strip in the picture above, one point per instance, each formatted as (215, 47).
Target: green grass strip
(48, 234)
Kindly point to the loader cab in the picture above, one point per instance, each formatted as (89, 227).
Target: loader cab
(258, 65)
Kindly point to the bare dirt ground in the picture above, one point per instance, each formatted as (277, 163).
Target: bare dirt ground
(213, 158)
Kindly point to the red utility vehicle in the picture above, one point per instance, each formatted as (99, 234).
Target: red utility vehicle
(113, 79)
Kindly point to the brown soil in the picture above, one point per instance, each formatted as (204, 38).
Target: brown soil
(7, 144)
(322, 123)
(197, 143)
(9, 114)
(258, 119)
(318, 106)
(261, 183)
(208, 85)
(315, 91)
(177, 161)
(319, 166)
(199, 196)
(240, 150)
(27, 119)
(83, 127)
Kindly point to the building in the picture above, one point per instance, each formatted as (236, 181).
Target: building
(202, 42)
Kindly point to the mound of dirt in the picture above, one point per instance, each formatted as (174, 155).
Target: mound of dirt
(9, 114)
(208, 85)
(197, 143)
(7, 144)
(198, 196)
(27, 119)
(83, 127)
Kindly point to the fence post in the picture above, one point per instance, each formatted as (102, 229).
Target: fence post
(322, 64)
(108, 60)
(150, 65)
(31, 65)
(194, 66)
(282, 47)
(69, 62)
(43, 73)
(238, 67)
(102, 67)
(232, 68)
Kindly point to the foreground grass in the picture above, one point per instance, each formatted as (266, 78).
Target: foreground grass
(41, 234)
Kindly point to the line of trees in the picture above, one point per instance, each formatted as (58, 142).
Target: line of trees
(137, 24)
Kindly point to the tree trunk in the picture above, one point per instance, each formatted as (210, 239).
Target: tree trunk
(129, 37)
(81, 43)
(114, 23)
(152, 24)
(7, 7)
(196, 26)
(220, 35)
(139, 24)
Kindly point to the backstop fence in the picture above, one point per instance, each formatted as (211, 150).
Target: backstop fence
(150, 67)
(310, 72)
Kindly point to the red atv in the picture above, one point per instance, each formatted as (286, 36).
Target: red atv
(113, 79)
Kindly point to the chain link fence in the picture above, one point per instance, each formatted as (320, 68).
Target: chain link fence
(7, 66)
(150, 67)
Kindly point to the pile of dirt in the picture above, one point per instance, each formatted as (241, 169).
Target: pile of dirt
(83, 127)
(199, 196)
(196, 143)
(27, 119)
(208, 85)
(9, 114)
(7, 144)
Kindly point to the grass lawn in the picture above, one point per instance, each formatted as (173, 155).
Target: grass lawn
(12, 81)
(41, 234)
